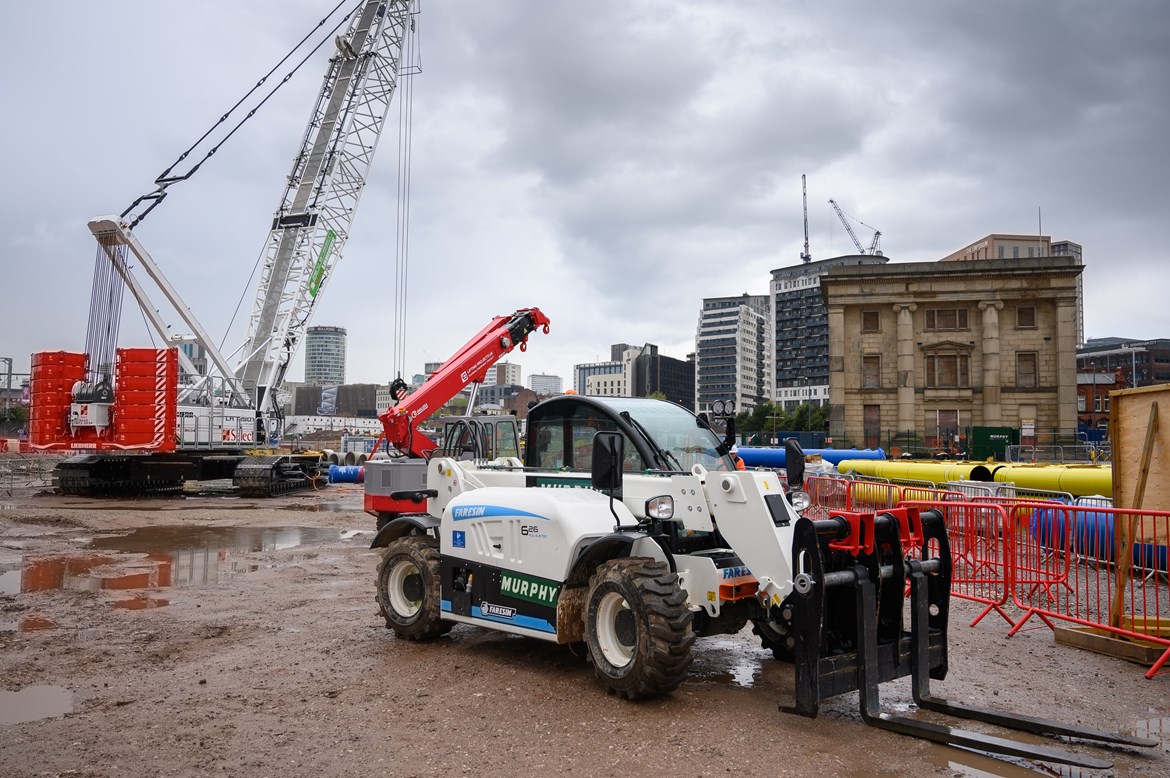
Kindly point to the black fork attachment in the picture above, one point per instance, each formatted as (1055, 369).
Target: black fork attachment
(852, 575)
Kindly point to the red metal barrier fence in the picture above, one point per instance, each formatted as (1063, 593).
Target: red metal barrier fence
(1102, 570)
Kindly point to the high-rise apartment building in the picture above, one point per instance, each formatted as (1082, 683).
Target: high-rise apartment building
(801, 329)
(1066, 248)
(325, 356)
(503, 374)
(545, 385)
(733, 352)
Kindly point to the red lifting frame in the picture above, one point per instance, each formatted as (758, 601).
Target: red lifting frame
(860, 537)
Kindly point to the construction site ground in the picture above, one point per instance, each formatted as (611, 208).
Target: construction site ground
(212, 635)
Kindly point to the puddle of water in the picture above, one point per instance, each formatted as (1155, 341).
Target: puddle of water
(10, 582)
(33, 703)
(327, 507)
(219, 539)
(28, 624)
(971, 764)
(160, 557)
(732, 659)
(1157, 728)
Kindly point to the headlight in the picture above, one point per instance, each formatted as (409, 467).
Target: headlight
(660, 507)
(800, 501)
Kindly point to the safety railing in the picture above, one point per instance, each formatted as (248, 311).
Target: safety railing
(26, 471)
(1103, 569)
(980, 552)
(866, 496)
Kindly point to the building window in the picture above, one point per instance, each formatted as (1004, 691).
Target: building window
(1025, 317)
(1080, 403)
(870, 321)
(1097, 403)
(999, 252)
(1031, 252)
(1026, 364)
(946, 319)
(1015, 252)
(947, 371)
(871, 371)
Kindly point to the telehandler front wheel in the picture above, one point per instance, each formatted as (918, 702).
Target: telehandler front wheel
(408, 588)
(638, 628)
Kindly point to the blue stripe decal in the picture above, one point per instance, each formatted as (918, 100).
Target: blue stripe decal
(519, 620)
(464, 512)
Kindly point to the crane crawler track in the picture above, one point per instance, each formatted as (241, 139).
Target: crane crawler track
(89, 476)
(267, 476)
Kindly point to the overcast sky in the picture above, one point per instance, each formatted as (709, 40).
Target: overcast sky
(609, 162)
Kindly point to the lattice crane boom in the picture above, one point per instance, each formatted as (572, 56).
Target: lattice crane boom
(848, 229)
(312, 222)
(873, 246)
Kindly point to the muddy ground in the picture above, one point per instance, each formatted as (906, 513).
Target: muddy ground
(210, 635)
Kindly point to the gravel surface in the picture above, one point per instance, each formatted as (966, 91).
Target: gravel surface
(214, 635)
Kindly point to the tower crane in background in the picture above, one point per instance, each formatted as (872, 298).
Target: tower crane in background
(805, 256)
(873, 246)
(146, 420)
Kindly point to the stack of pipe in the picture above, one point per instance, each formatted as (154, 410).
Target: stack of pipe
(1077, 480)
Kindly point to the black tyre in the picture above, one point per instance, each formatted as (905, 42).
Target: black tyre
(775, 636)
(408, 588)
(638, 628)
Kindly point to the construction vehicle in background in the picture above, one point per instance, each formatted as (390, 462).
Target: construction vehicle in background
(628, 528)
(395, 485)
(143, 421)
(877, 236)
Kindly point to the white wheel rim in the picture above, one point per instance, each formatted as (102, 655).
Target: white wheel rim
(615, 652)
(401, 604)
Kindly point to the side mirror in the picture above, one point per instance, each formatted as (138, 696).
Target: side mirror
(794, 462)
(609, 450)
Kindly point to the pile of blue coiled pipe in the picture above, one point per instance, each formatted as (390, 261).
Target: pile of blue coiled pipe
(347, 474)
(776, 459)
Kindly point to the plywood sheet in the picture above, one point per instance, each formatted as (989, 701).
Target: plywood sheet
(1129, 423)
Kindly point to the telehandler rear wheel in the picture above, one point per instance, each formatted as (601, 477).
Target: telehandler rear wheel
(776, 637)
(638, 628)
(408, 588)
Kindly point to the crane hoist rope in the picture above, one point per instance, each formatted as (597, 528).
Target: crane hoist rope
(165, 179)
(108, 286)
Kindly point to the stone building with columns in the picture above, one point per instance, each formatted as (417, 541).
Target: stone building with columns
(928, 349)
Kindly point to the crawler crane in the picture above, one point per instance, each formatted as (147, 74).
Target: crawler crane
(145, 420)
